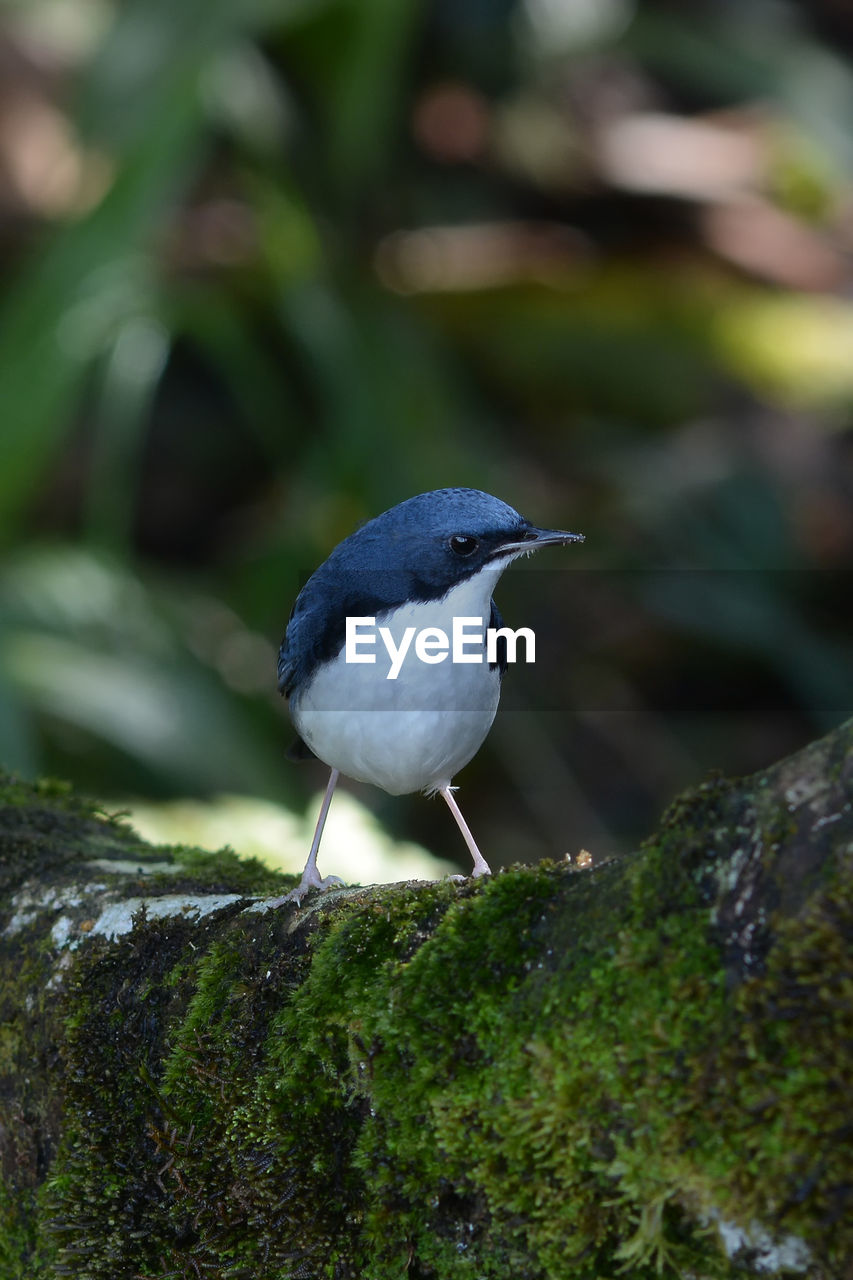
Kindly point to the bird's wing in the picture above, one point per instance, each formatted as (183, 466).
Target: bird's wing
(286, 669)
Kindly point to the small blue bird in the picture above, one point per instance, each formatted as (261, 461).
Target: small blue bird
(377, 686)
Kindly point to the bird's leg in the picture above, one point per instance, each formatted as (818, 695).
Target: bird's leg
(311, 878)
(481, 867)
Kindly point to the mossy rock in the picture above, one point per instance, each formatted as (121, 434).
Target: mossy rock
(638, 1069)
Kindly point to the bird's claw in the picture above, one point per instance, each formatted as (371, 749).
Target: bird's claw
(306, 884)
(473, 875)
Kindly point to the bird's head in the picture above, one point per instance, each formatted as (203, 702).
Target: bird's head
(425, 546)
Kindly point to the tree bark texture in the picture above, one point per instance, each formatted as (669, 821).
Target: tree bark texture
(642, 1068)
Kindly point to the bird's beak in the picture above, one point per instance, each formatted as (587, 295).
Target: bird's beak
(533, 539)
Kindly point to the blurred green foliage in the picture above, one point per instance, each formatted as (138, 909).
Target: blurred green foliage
(271, 267)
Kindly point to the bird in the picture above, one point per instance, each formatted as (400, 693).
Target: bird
(424, 569)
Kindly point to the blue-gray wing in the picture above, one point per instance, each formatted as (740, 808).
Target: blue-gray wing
(286, 663)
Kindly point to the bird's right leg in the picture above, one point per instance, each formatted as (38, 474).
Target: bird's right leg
(311, 878)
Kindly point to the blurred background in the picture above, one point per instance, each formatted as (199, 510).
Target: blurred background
(268, 268)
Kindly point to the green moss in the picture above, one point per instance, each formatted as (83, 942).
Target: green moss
(784, 1074)
(15, 791)
(502, 1082)
(221, 872)
(47, 831)
(101, 1191)
(403, 1105)
(545, 1074)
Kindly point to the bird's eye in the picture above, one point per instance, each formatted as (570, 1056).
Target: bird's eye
(463, 544)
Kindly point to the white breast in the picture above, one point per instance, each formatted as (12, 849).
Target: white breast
(415, 732)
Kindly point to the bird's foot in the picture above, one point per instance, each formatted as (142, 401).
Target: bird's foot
(310, 880)
(484, 870)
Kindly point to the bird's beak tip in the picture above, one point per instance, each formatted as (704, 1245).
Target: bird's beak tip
(557, 536)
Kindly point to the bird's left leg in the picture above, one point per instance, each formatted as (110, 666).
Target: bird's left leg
(481, 867)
